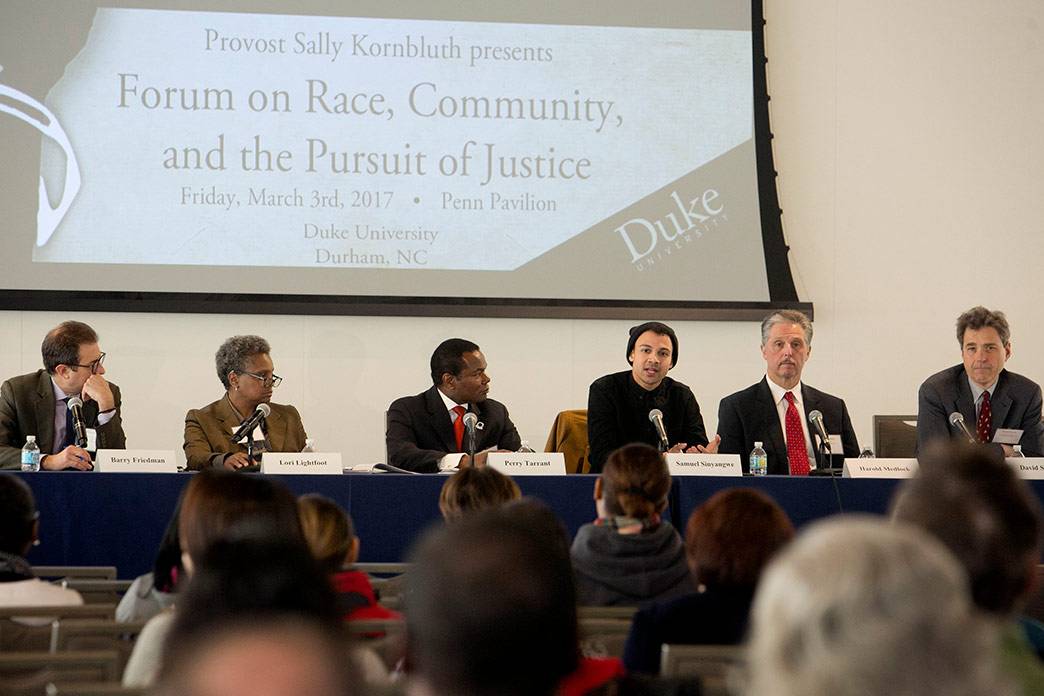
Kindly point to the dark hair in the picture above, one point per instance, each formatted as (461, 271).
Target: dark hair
(234, 353)
(971, 500)
(17, 514)
(657, 328)
(731, 538)
(327, 529)
(167, 571)
(491, 605)
(61, 345)
(978, 318)
(635, 481)
(474, 489)
(449, 357)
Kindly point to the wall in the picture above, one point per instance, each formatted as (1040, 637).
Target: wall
(909, 162)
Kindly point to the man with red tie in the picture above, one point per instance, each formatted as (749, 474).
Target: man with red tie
(776, 410)
(423, 429)
(998, 407)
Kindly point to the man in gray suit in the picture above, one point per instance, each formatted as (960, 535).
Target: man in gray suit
(998, 407)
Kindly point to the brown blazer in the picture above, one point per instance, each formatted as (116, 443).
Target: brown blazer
(208, 431)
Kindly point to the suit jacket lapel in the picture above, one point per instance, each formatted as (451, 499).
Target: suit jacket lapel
(1000, 403)
(440, 419)
(767, 409)
(45, 413)
(276, 435)
(964, 402)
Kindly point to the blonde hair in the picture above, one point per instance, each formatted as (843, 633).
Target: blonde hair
(474, 489)
(327, 529)
(635, 482)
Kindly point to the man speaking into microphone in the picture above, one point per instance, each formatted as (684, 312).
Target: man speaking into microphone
(620, 406)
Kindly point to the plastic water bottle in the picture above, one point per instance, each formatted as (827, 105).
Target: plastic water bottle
(31, 454)
(1016, 453)
(525, 447)
(309, 445)
(758, 461)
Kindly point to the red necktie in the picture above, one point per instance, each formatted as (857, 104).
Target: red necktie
(982, 428)
(796, 452)
(458, 425)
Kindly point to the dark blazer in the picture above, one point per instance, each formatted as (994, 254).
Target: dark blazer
(1015, 403)
(27, 408)
(419, 430)
(208, 431)
(750, 416)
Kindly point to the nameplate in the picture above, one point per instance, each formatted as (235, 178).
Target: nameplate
(704, 464)
(527, 463)
(879, 468)
(134, 461)
(1028, 467)
(301, 463)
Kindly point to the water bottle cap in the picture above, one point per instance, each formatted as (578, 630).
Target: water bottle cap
(757, 444)
(30, 438)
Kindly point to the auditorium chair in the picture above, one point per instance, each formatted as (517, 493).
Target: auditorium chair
(32, 630)
(32, 672)
(95, 634)
(386, 637)
(94, 689)
(711, 663)
(603, 637)
(97, 591)
(895, 436)
(77, 572)
(569, 436)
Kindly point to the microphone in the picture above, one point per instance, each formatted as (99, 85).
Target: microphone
(656, 418)
(816, 419)
(957, 421)
(470, 422)
(75, 404)
(246, 427)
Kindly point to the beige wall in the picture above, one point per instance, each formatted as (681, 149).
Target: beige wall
(909, 153)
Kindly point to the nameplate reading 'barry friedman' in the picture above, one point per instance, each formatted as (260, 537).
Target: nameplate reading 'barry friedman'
(301, 463)
(1028, 467)
(879, 468)
(135, 461)
(704, 464)
(527, 463)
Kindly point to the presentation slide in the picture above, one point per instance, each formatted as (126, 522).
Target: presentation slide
(466, 151)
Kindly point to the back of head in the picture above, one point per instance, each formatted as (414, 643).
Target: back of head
(61, 345)
(327, 529)
(972, 501)
(449, 358)
(731, 538)
(473, 489)
(17, 515)
(861, 607)
(635, 482)
(491, 606)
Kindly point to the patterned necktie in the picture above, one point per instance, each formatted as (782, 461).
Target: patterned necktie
(458, 425)
(982, 429)
(796, 452)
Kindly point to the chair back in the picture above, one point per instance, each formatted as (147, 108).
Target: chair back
(603, 637)
(569, 436)
(895, 436)
(96, 634)
(82, 572)
(29, 628)
(31, 672)
(711, 663)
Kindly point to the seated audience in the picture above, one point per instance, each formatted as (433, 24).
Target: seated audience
(973, 502)
(330, 535)
(473, 489)
(728, 541)
(860, 607)
(154, 591)
(630, 555)
(245, 369)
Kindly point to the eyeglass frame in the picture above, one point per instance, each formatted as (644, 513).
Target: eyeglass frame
(273, 381)
(92, 365)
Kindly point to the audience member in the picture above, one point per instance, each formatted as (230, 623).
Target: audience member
(728, 541)
(154, 591)
(974, 503)
(630, 555)
(860, 607)
(474, 489)
(245, 369)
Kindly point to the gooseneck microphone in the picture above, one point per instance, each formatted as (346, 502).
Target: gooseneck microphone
(824, 450)
(75, 404)
(246, 427)
(957, 421)
(470, 422)
(656, 417)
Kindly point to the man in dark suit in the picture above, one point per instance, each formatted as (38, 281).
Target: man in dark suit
(36, 403)
(988, 396)
(423, 429)
(775, 410)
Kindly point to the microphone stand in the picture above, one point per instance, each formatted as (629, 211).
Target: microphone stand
(471, 445)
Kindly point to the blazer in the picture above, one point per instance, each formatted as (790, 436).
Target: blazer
(1015, 403)
(208, 431)
(419, 431)
(750, 416)
(27, 408)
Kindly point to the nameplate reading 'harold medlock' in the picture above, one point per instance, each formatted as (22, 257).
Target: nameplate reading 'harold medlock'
(1028, 467)
(136, 461)
(704, 464)
(301, 463)
(527, 463)
(879, 468)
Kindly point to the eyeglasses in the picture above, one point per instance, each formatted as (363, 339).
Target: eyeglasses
(92, 365)
(273, 381)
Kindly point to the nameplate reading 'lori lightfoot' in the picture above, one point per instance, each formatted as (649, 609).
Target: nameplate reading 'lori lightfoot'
(879, 468)
(527, 463)
(704, 464)
(136, 461)
(1028, 467)
(301, 463)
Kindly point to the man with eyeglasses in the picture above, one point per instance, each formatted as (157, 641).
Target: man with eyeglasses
(37, 403)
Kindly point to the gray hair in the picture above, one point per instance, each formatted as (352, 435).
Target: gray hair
(786, 316)
(859, 606)
(978, 318)
(235, 351)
